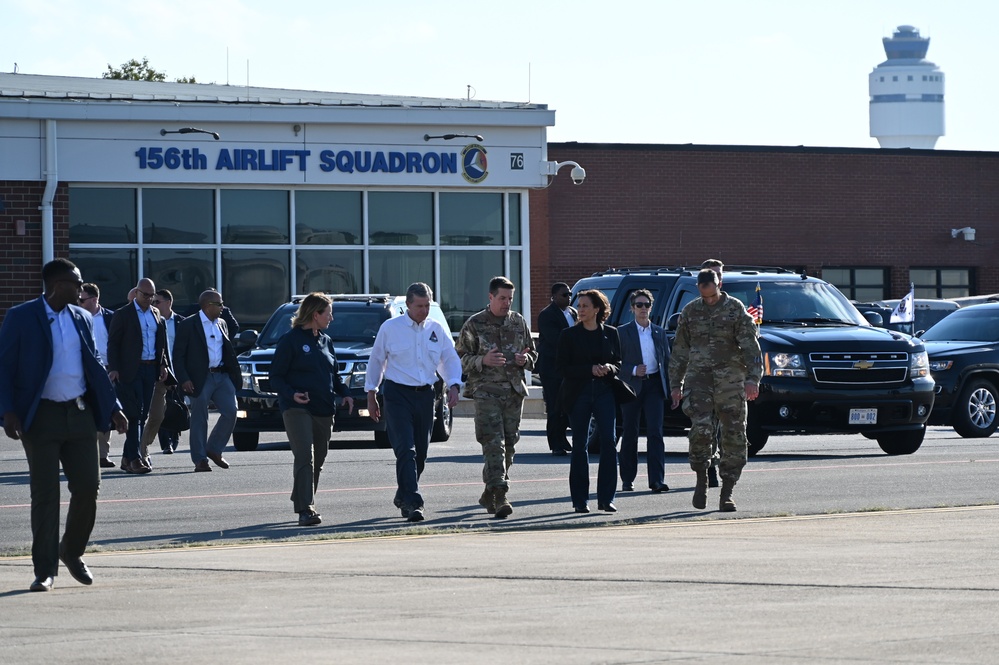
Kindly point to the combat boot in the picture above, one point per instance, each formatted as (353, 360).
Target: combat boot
(503, 507)
(725, 503)
(700, 500)
(488, 500)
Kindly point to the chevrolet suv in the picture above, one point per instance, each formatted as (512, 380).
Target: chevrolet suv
(825, 368)
(356, 319)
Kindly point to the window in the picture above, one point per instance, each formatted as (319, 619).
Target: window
(894, 78)
(255, 217)
(401, 218)
(185, 272)
(101, 215)
(861, 284)
(112, 270)
(909, 77)
(328, 218)
(328, 270)
(255, 281)
(514, 203)
(393, 271)
(465, 279)
(941, 282)
(471, 219)
(181, 216)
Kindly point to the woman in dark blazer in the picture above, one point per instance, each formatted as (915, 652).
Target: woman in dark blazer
(304, 375)
(588, 358)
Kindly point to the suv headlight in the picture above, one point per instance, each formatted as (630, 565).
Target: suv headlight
(784, 364)
(941, 365)
(246, 370)
(358, 376)
(919, 364)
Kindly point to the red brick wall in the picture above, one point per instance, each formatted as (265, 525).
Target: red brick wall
(793, 207)
(21, 256)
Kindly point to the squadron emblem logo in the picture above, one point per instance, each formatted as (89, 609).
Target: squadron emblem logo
(474, 163)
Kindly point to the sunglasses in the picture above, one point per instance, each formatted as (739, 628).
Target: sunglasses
(642, 305)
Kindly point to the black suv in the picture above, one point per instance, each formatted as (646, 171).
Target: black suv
(964, 360)
(356, 319)
(825, 368)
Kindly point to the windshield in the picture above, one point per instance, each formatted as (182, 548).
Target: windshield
(966, 325)
(350, 324)
(797, 301)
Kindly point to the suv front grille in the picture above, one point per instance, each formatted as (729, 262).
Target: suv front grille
(263, 382)
(860, 368)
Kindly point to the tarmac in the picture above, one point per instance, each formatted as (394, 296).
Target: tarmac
(912, 586)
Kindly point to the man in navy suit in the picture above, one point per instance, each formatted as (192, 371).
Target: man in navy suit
(91, 301)
(208, 371)
(55, 396)
(644, 361)
(552, 320)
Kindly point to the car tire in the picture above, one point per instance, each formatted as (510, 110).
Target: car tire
(902, 443)
(381, 439)
(443, 421)
(245, 441)
(975, 410)
(757, 438)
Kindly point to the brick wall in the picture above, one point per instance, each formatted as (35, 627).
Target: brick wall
(21, 256)
(794, 207)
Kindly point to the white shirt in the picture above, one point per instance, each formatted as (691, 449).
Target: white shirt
(567, 313)
(147, 323)
(412, 354)
(171, 328)
(648, 348)
(213, 335)
(66, 380)
(101, 337)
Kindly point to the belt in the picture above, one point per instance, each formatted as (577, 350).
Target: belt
(76, 403)
(220, 368)
(148, 362)
(650, 376)
(413, 388)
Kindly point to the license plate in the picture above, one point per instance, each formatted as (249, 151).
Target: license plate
(863, 416)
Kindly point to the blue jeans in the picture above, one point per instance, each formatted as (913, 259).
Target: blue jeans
(218, 388)
(409, 418)
(650, 401)
(595, 400)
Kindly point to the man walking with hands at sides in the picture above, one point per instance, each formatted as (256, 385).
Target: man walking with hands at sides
(207, 370)
(644, 359)
(552, 320)
(408, 352)
(496, 349)
(55, 396)
(715, 367)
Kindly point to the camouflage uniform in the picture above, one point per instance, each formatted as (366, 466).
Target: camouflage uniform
(715, 353)
(498, 392)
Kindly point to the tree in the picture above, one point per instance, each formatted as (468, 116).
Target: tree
(133, 70)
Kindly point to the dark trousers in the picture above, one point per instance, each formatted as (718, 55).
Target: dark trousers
(596, 400)
(168, 438)
(557, 420)
(309, 437)
(409, 418)
(61, 433)
(650, 402)
(135, 397)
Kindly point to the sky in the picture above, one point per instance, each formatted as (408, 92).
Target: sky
(721, 72)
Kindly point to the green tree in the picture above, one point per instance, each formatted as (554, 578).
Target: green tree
(133, 70)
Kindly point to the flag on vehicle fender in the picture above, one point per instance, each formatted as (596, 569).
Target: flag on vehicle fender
(904, 312)
(756, 309)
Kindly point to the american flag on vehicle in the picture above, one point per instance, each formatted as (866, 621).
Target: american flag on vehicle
(756, 309)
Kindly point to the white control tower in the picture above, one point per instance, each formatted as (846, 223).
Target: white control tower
(907, 94)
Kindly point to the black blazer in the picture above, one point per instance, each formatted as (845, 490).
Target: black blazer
(631, 354)
(125, 342)
(191, 354)
(576, 357)
(551, 323)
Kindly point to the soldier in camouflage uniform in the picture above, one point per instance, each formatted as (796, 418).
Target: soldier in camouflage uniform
(716, 367)
(496, 349)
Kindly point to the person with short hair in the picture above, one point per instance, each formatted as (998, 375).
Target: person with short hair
(496, 351)
(91, 301)
(715, 368)
(589, 357)
(304, 375)
(409, 352)
(208, 371)
(168, 439)
(552, 320)
(54, 397)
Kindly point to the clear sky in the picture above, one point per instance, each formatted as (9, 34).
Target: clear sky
(733, 72)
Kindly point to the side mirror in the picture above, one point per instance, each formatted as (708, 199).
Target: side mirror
(246, 339)
(875, 319)
(673, 321)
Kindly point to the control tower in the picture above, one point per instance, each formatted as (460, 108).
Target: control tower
(907, 93)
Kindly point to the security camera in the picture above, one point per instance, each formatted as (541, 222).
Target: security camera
(968, 233)
(578, 175)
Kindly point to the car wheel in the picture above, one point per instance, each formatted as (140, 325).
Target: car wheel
(902, 443)
(245, 440)
(443, 421)
(757, 439)
(381, 439)
(975, 410)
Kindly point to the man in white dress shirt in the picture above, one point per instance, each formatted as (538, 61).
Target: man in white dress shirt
(90, 300)
(409, 352)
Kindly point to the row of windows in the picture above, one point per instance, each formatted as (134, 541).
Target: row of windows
(240, 241)
(871, 284)
(926, 77)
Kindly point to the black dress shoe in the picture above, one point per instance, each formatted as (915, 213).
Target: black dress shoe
(77, 569)
(628, 487)
(582, 509)
(106, 463)
(416, 515)
(560, 452)
(607, 507)
(42, 583)
(661, 488)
